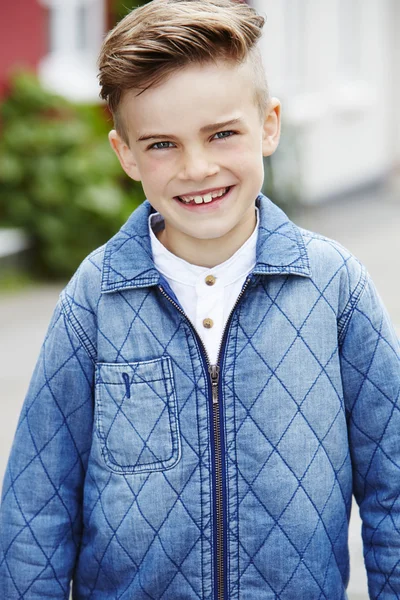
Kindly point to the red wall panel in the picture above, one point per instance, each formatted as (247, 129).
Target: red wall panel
(23, 36)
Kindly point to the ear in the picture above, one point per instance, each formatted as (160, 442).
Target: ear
(124, 154)
(271, 127)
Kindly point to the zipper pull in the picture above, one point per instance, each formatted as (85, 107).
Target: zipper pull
(214, 375)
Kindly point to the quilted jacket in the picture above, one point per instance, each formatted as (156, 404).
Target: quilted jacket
(141, 472)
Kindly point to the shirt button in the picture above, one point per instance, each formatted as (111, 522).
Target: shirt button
(208, 323)
(210, 279)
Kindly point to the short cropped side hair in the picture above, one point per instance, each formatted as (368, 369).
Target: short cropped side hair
(163, 36)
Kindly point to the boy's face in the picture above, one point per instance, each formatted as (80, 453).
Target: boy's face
(196, 143)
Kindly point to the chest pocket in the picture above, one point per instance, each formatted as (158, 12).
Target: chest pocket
(136, 415)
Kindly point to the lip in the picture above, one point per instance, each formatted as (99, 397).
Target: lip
(205, 206)
(203, 192)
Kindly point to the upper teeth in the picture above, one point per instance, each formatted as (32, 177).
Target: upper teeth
(206, 198)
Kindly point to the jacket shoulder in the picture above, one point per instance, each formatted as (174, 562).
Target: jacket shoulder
(336, 272)
(79, 299)
(324, 249)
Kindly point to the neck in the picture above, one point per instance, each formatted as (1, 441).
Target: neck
(208, 252)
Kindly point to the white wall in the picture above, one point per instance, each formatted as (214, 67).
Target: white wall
(395, 97)
(331, 63)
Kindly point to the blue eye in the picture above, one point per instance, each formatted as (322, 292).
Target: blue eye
(161, 145)
(224, 134)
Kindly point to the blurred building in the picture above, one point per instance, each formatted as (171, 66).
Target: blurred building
(335, 64)
(60, 39)
(23, 36)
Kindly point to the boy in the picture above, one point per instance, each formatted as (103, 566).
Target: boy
(215, 382)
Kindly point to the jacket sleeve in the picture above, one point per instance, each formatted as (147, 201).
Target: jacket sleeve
(370, 362)
(40, 515)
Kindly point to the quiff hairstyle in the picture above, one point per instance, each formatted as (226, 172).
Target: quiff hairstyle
(163, 36)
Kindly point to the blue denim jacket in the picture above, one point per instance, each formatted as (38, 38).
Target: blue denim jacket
(141, 472)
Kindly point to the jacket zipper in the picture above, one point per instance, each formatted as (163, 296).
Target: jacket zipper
(214, 371)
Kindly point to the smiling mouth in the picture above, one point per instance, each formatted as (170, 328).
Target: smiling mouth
(206, 198)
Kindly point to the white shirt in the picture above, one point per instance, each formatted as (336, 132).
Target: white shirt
(207, 306)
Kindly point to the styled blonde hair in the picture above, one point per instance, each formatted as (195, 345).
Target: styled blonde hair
(163, 36)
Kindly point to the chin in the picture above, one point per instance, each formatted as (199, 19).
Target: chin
(207, 235)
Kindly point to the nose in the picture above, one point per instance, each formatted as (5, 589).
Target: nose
(197, 165)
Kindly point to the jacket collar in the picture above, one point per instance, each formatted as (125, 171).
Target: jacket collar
(128, 261)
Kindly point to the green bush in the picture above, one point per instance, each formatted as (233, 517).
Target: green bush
(120, 8)
(59, 179)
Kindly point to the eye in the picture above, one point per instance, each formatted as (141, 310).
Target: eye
(161, 146)
(224, 134)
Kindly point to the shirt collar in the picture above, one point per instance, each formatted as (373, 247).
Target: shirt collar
(179, 270)
(128, 260)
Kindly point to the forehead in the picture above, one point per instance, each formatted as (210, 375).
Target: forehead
(192, 97)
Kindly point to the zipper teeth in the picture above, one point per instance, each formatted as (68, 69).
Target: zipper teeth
(217, 439)
(219, 502)
(164, 293)
(245, 285)
(218, 461)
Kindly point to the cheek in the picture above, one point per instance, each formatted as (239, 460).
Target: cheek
(247, 148)
(244, 159)
(155, 172)
(248, 167)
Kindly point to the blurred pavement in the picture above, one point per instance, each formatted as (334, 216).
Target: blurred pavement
(368, 226)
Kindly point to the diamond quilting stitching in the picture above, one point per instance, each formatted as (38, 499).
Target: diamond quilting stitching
(273, 373)
(121, 413)
(29, 525)
(179, 499)
(297, 404)
(251, 489)
(146, 445)
(54, 492)
(156, 530)
(163, 350)
(65, 416)
(252, 557)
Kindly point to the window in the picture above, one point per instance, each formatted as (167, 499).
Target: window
(76, 29)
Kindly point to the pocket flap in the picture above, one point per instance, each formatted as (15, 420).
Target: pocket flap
(136, 415)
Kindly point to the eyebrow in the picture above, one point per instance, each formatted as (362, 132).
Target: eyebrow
(206, 129)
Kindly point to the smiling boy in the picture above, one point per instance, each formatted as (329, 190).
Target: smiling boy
(200, 134)
(215, 381)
